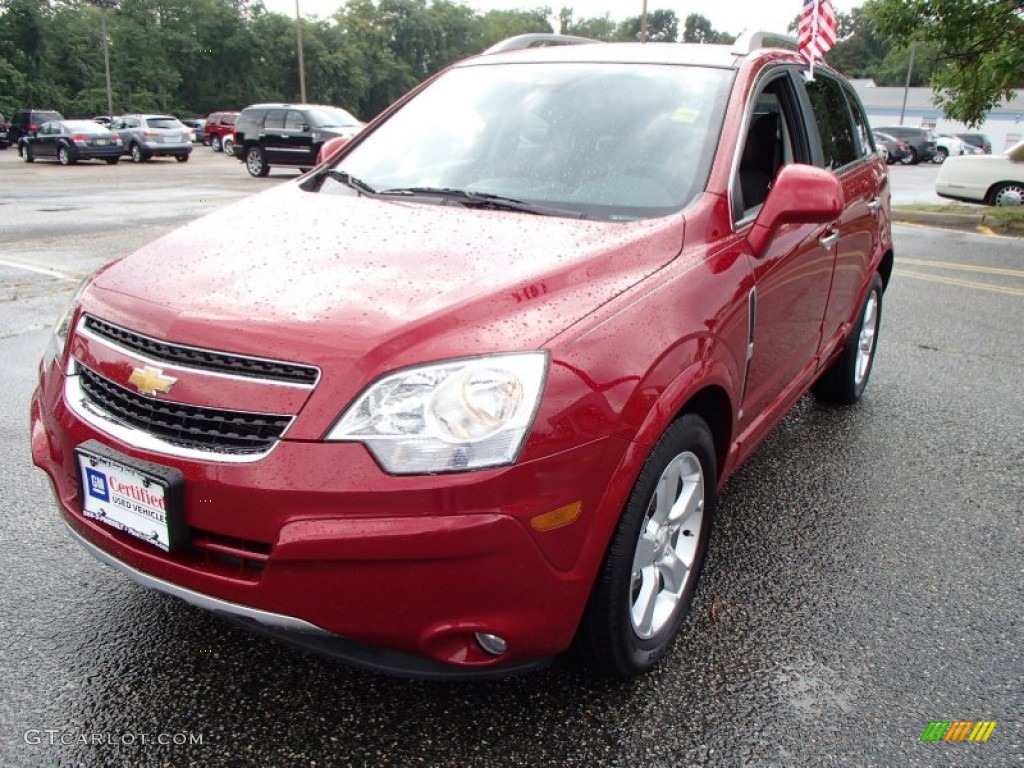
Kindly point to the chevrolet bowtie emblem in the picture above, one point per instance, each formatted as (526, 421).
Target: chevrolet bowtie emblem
(151, 381)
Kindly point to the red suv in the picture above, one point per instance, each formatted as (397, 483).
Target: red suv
(219, 131)
(469, 392)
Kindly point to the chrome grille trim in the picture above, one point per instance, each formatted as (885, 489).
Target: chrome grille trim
(208, 361)
(80, 403)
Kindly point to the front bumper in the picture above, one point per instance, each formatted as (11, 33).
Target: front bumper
(313, 543)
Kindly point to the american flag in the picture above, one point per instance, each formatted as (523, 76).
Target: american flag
(817, 33)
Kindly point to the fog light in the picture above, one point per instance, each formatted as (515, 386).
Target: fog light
(492, 644)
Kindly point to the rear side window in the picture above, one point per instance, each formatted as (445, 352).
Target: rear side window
(229, 119)
(295, 121)
(835, 126)
(275, 120)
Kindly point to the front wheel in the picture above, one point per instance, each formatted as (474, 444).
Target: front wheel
(940, 156)
(910, 158)
(843, 382)
(1007, 195)
(650, 572)
(255, 162)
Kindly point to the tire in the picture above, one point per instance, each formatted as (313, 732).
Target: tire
(26, 154)
(256, 162)
(647, 581)
(940, 156)
(843, 382)
(910, 158)
(215, 143)
(226, 145)
(113, 160)
(889, 159)
(64, 156)
(138, 155)
(1007, 195)
(182, 158)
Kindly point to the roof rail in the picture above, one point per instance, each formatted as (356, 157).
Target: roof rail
(541, 38)
(748, 42)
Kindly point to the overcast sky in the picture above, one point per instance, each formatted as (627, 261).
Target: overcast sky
(731, 16)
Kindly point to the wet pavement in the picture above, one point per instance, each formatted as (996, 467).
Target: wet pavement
(864, 579)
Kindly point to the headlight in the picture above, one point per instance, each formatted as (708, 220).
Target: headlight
(59, 337)
(448, 417)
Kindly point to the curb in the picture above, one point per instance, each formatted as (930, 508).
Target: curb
(971, 220)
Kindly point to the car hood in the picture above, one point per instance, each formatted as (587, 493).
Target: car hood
(351, 281)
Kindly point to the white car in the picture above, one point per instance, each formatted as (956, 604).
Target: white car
(989, 179)
(947, 146)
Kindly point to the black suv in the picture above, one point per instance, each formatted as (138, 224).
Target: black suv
(288, 134)
(27, 120)
(921, 142)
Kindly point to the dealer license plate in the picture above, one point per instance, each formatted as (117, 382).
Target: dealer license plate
(139, 498)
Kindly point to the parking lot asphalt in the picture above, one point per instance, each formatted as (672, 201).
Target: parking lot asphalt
(865, 576)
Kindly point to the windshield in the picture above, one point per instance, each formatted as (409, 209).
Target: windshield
(329, 117)
(612, 141)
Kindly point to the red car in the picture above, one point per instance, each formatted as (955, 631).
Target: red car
(219, 131)
(466, 394)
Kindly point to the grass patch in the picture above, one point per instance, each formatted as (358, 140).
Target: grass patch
(1005, 219)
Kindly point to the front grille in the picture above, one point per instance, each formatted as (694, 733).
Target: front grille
(190, 426)
(204, 359)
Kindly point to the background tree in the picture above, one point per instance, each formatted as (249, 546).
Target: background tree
(662, 27)
(979, 48)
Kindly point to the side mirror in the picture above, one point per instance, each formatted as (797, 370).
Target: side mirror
(801, 194)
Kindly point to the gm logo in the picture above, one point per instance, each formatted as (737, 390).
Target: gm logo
(97, 482)
(958, 730)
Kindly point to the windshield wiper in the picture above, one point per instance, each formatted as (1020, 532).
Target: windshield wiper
(345, 178)
(483, 200)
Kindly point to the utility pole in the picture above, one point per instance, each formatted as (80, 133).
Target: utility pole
(643, 23)
(103, 6)
(906, 87)
(302, 66)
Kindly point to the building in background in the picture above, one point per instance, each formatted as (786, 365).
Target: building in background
(1004, 125)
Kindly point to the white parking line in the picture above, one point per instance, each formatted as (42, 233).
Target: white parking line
(37, 270)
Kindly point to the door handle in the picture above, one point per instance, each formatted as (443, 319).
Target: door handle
(827, 241)
(874, 205)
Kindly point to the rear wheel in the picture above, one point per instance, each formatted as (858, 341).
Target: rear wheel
(113, 160)
(845, 379)
(138, 156)
(215, 143)
(227, 144)
(64, 156)
(1007, 195)
(181, 158)
(910, 158)
(255, 162)
(649, 576)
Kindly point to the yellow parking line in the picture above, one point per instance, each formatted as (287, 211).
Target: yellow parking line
(962, 283)
(962, 267)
